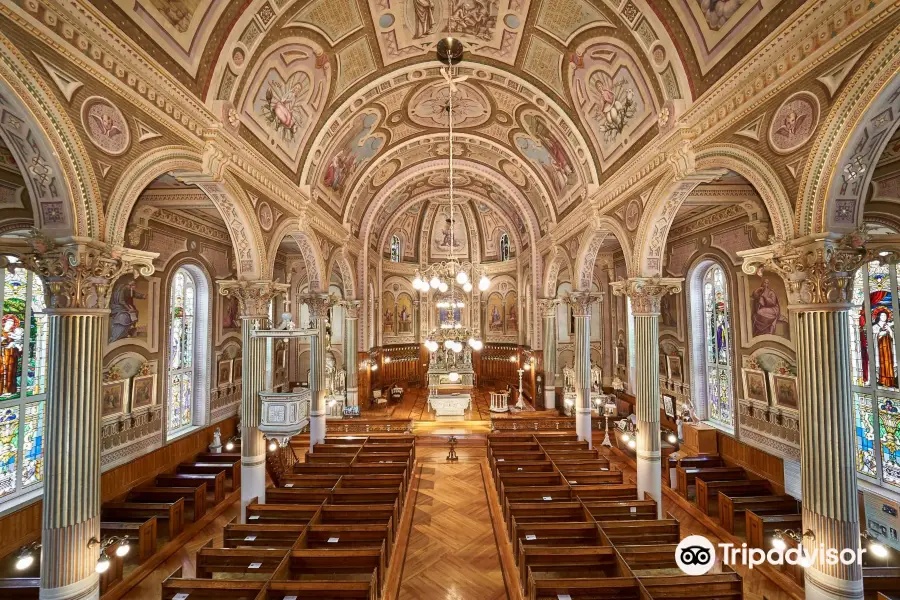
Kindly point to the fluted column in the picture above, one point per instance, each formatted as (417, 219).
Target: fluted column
(645, 294)
(548, 308)
(253, 300)
(318, 314)
(819, 279)
(351, 319)
(78, 278)
(581, 309)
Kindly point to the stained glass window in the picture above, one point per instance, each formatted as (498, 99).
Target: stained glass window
(182, 311)
(873, 371)
(717, 342)
(504, 247)
(395, 249)
(23, 381)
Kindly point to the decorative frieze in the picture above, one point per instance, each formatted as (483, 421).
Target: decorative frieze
(770, 428)
(118, 437)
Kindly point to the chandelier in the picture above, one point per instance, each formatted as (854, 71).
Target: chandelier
(445, 277)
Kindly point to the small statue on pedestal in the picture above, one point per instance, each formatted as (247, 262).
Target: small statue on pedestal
(216, 446)
(452, 457)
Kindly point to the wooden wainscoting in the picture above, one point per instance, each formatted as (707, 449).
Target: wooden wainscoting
(760, 463)
(24, 525)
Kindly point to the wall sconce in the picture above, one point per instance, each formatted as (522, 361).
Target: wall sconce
(103, 562)
(231, 443)
(26, 555)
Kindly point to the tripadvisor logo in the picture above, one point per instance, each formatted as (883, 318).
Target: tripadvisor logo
(695, 555)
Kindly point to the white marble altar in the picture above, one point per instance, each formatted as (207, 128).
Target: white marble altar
(450, 405)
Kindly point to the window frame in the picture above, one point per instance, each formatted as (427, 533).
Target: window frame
(727, 369)
(396, 242)
(192, 370)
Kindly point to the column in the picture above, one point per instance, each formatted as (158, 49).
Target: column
(819, 279)
(548, 308)
(78, 278)
(351, 359)
(645, 294)
(318, 314)
(581, 309)
(253, 300)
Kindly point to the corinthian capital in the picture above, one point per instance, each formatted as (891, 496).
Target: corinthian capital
(581, 302)
(351, 308)
(80, 272)
(318, 304)
(646, 292)
(253, 296)
(817, 271)
(548, 306)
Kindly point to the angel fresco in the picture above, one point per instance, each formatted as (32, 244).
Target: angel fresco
(282, 104)
(544, 148)
(615, 104)
(357, 148)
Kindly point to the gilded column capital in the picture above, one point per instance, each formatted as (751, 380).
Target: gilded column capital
(351, 308)
(253, 296)
(646, 292)
(548, 306)
(318, 304)
(581, 302)
(80, 272)
(817, 271)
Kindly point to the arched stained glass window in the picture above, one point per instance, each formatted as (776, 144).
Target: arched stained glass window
(23, 382)
(873, 372)
(717, 341)
(181, 372)
(504, 247)
(395, 249)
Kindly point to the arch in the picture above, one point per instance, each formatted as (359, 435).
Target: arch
(670, 192)
(312, 256)
(557, 261)
(339, 259)
(587, 255)
(61, 181)
(850, 141)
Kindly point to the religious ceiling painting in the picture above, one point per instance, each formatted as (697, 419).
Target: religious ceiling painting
(349, 157)
(449, 232)
(714, 27)
(549, 155)
(286, 97)
(408, 28)
(182, 28)
(794, 123)
(429, 106)
(612, 96)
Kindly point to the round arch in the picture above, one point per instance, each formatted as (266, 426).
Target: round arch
(558, 260)
(850, 141)
(587, 255)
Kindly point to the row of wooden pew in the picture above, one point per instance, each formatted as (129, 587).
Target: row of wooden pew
(326, 531)
(150, 515)
(578, 530)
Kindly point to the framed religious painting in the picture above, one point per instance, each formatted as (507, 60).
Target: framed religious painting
(113, 399)
(784, 390)
(237, 369)
(755, 385)
(223, 374)
(669, 405)
(674, 364)
(663, 367)
(143, 391)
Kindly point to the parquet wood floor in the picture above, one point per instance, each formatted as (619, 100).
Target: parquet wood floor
(415, 406)
(452, 553)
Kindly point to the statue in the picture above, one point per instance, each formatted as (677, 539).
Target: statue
(216, 446)
(286, 323)
(568, 378)
(679, 424)
(340, 380)
(595, 378)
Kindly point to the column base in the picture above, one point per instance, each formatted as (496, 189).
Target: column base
(583, 425)
(86, 589)
(316, 430)
(253, 482)
(649, 478)
(549, 398)
(820, 586)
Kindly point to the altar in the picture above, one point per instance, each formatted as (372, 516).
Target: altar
(444, 362)
(450, 405)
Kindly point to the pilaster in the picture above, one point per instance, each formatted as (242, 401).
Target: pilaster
(351, 322)
(318, 314)
(253, 302)
(78, 276)
(646, 295)
(548, 308)
(581, 309)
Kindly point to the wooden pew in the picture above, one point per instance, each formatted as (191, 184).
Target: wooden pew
(171, 512)
(232, 470)
(686, 476)
(653, 559)
(881, 580)
(555, 534)
(613, 588)
(622, 510)
(565, 562)
(143, 532)
(334, 565)
(247, 562)
(609, 491)
(759, 527)
(195, 496)
(214, 482)
(732, 507)
(748, 487)
(238, 535)
(725, 586)
(641, 533)
(323, 590)
(593, 477)
(281, 513)
(539, 512)
(210, 589)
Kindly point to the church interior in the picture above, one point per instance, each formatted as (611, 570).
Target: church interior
(449, 299)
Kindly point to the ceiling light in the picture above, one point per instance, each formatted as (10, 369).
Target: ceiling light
(484, 283)
(467, 287)
(448, 344)
(435, 282)
(461, 277)
(453, 376)
(417, 282)
(443, 287)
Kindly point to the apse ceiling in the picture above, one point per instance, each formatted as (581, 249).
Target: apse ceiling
(345, 96)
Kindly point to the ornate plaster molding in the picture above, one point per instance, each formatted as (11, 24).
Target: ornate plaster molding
(253, 296)
(581, 302)
(646, 292)
(548, 306)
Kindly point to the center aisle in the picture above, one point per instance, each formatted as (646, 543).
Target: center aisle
(452, 553)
